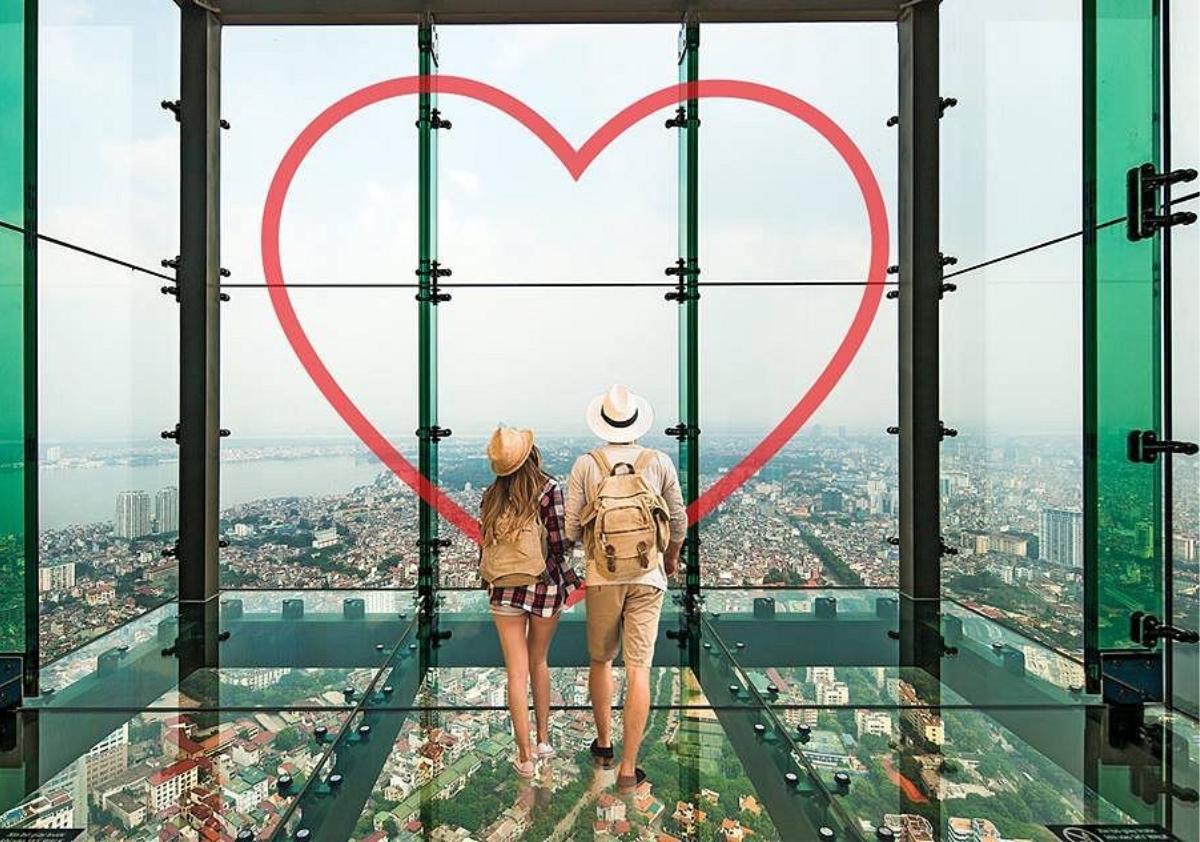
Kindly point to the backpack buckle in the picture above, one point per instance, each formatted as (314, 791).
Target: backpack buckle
(610, 554)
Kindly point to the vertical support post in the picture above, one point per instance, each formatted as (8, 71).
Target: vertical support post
(1123, 515)
(920, 286)
(18, 353)
(33, 648)
(427, 571)
(919, 329)
(689, 304)
(199, 331)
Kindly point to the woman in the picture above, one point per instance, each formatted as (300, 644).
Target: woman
(523, 563)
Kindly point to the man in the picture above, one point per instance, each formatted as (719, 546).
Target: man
(623, 612)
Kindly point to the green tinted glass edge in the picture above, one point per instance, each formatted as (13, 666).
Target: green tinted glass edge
(1123, 499)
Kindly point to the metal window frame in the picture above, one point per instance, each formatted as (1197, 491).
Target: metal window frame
(199, 351)
(198, 282)
(343, 12)
(919, 337)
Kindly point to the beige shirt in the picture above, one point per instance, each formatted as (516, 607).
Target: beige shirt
(660, 474)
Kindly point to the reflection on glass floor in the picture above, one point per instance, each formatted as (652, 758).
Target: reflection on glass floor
(776, 714)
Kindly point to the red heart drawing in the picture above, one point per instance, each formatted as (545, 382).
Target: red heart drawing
(576, 162)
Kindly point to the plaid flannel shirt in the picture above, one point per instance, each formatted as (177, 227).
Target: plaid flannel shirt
(545, 599)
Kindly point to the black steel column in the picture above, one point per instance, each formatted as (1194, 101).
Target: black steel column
(32, 524)
(920, 285)
(199, 307)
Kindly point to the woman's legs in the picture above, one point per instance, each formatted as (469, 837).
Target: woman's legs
(511, 629)
(541, 630)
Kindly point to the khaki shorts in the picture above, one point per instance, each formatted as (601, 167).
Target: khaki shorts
(623, 611)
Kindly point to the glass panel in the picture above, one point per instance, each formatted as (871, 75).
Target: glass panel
(499, 367)
(293, 648)
(432, 773)
(1185, 351)
(509, 210)
(796, 640)
(304, 502)
(108, 381)
(776, 200)
(351, 212)
(12, 331)
(996, 59)
(820, 510)
(1121, 331)
(1183, 772)
(108, 151)
(1011, 480)
(156, 774)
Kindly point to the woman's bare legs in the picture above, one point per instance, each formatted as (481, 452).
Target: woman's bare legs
(541, 630)
(511, 630)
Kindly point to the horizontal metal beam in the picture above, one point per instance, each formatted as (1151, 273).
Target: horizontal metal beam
(327, 12)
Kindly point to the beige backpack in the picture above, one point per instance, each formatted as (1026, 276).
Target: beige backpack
(519, 558)
(626, 523)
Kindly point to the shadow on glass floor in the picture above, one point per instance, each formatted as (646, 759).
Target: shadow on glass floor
(777, 715)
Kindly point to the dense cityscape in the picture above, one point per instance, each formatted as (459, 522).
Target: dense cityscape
(820, 513)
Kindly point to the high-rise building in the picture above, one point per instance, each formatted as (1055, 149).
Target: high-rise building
(819, 675)
(57, 577)
(834, 694)
(107, 759)
(133, 514)
(166, 510)
(1060, 540)
(876, 722)
(53, 454)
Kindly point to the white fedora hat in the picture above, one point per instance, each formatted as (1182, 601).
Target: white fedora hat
(619, 415)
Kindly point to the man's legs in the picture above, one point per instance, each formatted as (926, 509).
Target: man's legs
(600, 687)
(636, 712)
(643, 605)
(603, 635)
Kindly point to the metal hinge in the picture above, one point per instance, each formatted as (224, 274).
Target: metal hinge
(433, 294)
(434, 545)
(1144, 446)
(1142, 184)
(435, 120)
(434, 433)
(172, 105)
(682, 431)
(943, 104)
(681, 119)
(1147, 630)
(681, 293)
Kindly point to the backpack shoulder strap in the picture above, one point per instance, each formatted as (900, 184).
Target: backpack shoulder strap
(644, 459)
(602, 462)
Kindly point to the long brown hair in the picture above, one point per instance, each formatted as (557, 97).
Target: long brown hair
(510, 501)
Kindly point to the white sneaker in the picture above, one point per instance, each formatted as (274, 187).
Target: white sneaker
(524, 768)
(544, 751)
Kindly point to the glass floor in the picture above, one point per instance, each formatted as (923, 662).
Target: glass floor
(777, 715)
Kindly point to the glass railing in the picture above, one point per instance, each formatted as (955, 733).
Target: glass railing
(776, 711)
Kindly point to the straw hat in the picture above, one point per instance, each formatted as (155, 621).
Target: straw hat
(508, 449)
(619, 415)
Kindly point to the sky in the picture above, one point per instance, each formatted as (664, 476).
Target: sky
(776, 203)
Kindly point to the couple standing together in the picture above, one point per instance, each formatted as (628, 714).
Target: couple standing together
(623, 503)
